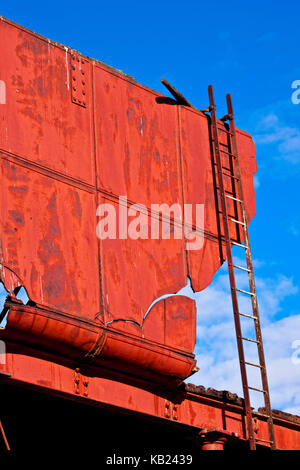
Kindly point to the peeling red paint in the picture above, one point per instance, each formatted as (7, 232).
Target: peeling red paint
(60, 160)
(63, 151)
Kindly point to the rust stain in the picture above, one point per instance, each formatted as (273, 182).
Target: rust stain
(17, 217)
(62, 160)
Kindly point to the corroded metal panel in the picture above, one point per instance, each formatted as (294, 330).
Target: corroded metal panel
(75, 134)
(136, 272)
(200, 187)
(138, 157)
(39, 122)
(198, 408)
(47, 239)
(136, 140)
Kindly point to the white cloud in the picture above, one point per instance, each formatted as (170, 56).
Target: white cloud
(271, 129)
(256, 182)
(216, 349)
(294, 228)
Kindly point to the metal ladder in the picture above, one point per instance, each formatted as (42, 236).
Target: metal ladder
(4, 437)
(238, 200)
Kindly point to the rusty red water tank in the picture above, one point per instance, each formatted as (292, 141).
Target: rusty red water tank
(77, 135)
(105, 324)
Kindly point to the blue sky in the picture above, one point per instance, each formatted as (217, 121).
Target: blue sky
(250, 50)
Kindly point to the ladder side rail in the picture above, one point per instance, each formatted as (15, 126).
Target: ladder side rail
(249, 260)
(231, 271)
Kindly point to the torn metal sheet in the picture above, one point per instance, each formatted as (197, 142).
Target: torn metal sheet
(75, 134)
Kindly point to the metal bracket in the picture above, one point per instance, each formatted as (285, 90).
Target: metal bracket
(80, 383)
(255, 425)
(171, 410)
(79, 79)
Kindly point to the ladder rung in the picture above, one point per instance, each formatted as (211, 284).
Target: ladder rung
(228, 153)
(239, 244)
(224, 167)
(248, 316)
(254, 365)
(223, 145)
(234, 199)
(263, 440)
(225, 190)
(220, 143)
(224, 130)
(241, 267)
(229, 216)
(257, 389)
(237, 221)
(231, 176)
(263, 415)
(245, 292)
(249, 339)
